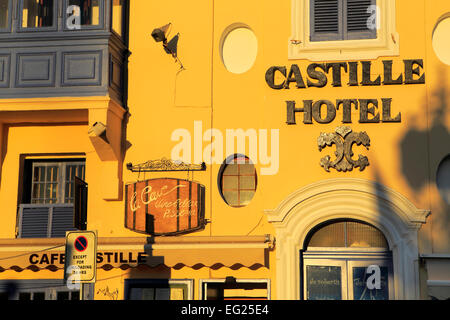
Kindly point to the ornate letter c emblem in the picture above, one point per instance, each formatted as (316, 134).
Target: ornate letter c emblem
(344, 139)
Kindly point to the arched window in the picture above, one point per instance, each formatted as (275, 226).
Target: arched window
(346, 234)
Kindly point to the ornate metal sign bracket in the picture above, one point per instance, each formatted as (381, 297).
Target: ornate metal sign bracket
(164, 165)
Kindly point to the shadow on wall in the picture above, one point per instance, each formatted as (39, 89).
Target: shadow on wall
(412, 161)
(419, 166)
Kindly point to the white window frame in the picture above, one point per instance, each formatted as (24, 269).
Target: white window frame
(301, 47)
(326, 263)
(62, 179)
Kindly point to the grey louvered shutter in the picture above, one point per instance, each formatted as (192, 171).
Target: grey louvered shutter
(355, 20)
(325, 20)
(34, 222)
(332, 20)
(62, 221)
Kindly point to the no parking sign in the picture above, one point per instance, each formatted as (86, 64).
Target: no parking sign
(80, 258)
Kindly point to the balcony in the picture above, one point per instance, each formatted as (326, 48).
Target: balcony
(70, 48)
(65, 61)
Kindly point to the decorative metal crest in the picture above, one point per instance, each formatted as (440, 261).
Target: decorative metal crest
(344, 139)
(165, 164)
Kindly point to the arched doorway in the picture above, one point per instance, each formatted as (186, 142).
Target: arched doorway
(346, 260)
(350, 199)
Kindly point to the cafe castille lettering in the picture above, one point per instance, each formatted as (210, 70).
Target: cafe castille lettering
(164, 206)
(325, 111)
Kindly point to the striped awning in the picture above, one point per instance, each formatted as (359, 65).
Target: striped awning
(124, 253)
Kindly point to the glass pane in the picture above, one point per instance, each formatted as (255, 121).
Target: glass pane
(37, 13)
(68, 192)
(117, 16)
(70, 172)
(162, 294)
(230, 182)
(35, 192)
(247, 182)
(332, 235)
(323, 283)
(231, 197)
(363, 280)
(54, 194)
(89, 11)
(81, 173)
(39, 296)
(363, 235)
(39, 174)
(62, 295)
(41, 191)
(247, 169)
(245, 197)
(25, 296)
(231, 169)
(148, 294)
(52, 174)
(75, 295)
(4, 12)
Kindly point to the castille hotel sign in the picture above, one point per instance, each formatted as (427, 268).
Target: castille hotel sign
(164, 206)
(325, 111)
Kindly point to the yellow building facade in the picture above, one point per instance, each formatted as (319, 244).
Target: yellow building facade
(336, 112)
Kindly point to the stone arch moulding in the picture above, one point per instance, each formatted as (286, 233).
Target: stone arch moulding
(352, 198)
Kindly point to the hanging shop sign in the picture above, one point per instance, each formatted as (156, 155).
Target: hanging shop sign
(164, 206)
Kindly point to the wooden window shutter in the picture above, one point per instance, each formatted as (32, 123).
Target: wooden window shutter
(62, 221)
(356, 16)
(79, 212)
(325, 18)
(46, 221)
(34, 222)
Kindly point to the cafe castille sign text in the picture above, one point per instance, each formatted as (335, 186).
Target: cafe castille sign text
(164, 206)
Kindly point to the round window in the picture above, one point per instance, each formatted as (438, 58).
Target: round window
(237, 181)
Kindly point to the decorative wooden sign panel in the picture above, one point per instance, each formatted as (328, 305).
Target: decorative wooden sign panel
(164, 206)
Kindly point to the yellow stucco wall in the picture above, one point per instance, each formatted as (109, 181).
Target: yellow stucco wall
(403, 156)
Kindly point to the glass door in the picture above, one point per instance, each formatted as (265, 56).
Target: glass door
(347, 279)
(325, 279)
(370, 280)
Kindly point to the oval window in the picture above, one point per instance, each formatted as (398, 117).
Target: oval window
(237, 181)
